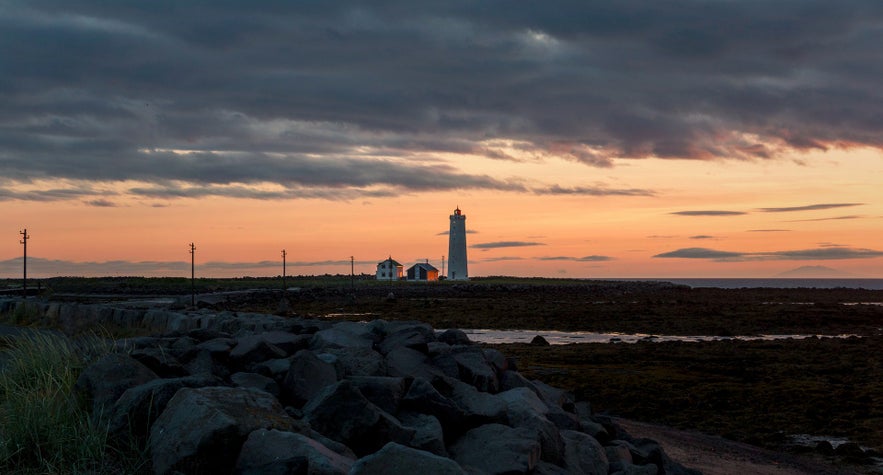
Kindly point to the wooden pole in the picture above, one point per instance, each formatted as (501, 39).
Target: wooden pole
(24, 281)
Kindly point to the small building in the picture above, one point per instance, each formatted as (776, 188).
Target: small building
(423, 271)
(390, 270)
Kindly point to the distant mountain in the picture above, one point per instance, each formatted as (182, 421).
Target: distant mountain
(815, 272)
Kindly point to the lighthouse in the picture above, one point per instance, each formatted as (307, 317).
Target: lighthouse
(457, 247)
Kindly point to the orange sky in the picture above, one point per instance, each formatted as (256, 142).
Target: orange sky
(524, 234)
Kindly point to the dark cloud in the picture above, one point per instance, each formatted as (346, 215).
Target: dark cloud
(594, 258)
(340, 99)
(445, 233)
(834, 218)
(823, 253)
(702, 236)
(100, 203)
(502, 244)
(709, 213)
(769, 230)
(502, 259)
(701, 253)
(809, 207)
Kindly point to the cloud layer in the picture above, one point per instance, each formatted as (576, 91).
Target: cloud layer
(823, 253)
(351, 99)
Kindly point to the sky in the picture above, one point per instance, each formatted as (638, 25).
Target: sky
(627, 139)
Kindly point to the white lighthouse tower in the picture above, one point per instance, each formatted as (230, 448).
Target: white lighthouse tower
(457, 247)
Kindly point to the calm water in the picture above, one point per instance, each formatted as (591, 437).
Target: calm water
(870, 284)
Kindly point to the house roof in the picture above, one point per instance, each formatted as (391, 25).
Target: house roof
(424, 265)
(394, 262)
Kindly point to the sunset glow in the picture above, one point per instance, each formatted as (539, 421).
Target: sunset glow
(573, 148)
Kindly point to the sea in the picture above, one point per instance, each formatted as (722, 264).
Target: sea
(780, 283)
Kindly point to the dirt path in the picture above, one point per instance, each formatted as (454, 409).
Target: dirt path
(718, 456)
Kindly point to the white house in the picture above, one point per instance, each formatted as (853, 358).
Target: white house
(390, 270)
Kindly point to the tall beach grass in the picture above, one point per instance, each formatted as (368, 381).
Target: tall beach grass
(44, 427)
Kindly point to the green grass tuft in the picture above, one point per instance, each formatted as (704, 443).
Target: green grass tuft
(44, 427)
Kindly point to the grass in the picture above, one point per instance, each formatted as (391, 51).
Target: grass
(44, 428)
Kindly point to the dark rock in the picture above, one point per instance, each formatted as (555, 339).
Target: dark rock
(583, 454)
(253, 349)
(359, 361)
(307, 376)
(287, 342)
(428, 432)
(423, 398)
(396, 458)
(408, 335)
(525, 410)
(497, 449)
(256, 381)
(825, 448)
(406, 362)
(276, 368)
(278, 452)
(160, 362)
(136, 410)
(454, 336)
(539, 341)
(104, 381)
(475, 370)
(385, 392)
(202, 430)
(342, 413)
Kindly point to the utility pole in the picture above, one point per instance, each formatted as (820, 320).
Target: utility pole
(24, 281)
(443, 266)
(284, 287)
(353, 275)
(192, 275)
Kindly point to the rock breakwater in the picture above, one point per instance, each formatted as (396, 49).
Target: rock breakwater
(233, 393)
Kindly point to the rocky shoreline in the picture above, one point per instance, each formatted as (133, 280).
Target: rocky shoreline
(220, 392)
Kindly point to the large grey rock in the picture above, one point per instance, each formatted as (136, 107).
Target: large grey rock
(475, 370)
(161, 362)
(287, 342)
(276, 368)
(253, 349)
(497, 449)
(385, 392)
(307, 376)
(415, 336)
(202, 430)
(479, 407)
(423, 398)
(428, 433)
(454, 336)
(342, 413)
(256, 381)
(406, 362)
(584, 454)
(359, 361)
(104, 381)
(394, 458)
(344, 335)
(525, 410)
(135, 411)
(274, 452)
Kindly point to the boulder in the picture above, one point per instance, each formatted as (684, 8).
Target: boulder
(161, 362)
(202, 430)
(279, 452)
(525, 410)
(253, 349)
(385, 392)
(475, 370)
(307, 376)
(136, 410)
(342, 413)
(359, 361)
(407, 362)
(287, 342)
(415, 336)
(256, 381)
(428, 433)
(104, 381)
(497, 449)
(396, 458)
(454, 336)
(423, 398)
(583, 454)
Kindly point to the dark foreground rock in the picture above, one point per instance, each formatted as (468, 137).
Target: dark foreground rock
(275, 395)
